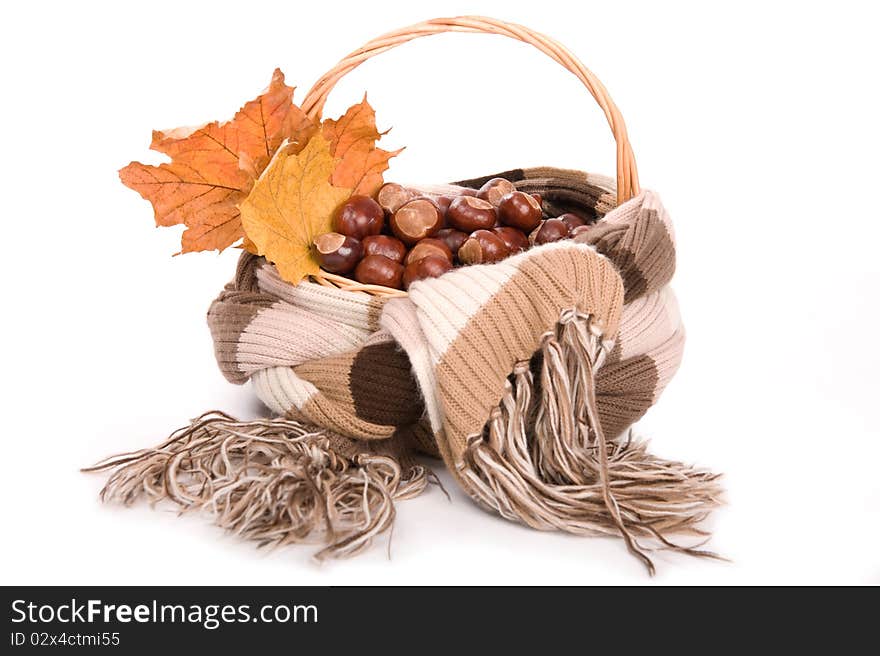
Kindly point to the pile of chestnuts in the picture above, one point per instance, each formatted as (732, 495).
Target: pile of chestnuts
(407, 234)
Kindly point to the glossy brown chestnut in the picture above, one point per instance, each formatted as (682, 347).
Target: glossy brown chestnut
(426, 267)
(483, 247)
(572, 220)
(495, 189)
(392, 195)
(390, 247)
(379, 270)
(453, 238)
(519, 210)
(551, 230)
(467, 214)
(429, 247)
(337, 253)
(538, 198)
(359, 217)
(415, 220)
(515, 240)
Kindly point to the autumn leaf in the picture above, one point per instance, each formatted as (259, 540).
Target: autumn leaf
(213, 167)
(292, 203)
(353, 140)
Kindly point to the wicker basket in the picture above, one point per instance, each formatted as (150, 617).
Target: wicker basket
(627, 173)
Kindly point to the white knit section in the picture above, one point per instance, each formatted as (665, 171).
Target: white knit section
(281, 389)
(447, 303)
(400, 319)
(647, 322)
(667, 358)
(626, 212)
(652, 202)
(286, 335)
(355, 309)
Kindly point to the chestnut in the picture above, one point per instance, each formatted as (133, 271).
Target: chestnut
(495, 189)
(468, 214)
(390, 247)
(483, 247)
(359, 217)
(337, 253)
(519, 210)
(379, 270)
(426, 267)
(443, 202)
(572, 220)
(551, 230)
(415, 220)
(429, 248)
(392, 195)
(539, 198)
(453, 238)
(514, 239)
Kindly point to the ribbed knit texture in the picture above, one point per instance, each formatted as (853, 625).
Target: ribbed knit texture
(425, 372)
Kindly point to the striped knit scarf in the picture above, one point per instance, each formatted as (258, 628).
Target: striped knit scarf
(524, 376)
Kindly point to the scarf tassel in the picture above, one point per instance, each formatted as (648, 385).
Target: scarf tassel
(276, 481)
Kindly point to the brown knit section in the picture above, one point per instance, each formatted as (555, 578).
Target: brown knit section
(420, 438)
(246, 272)
(228, 316)
(562, 190)
(624, 391)
(383, 387)
(324, 412)
(375, 383)
(642, 250)
(508, 328)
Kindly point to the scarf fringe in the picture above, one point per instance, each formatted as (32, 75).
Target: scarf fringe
(275, 481)
(543, 459)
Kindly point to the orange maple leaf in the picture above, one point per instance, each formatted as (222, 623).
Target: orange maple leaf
(213, 167)
(353, 138)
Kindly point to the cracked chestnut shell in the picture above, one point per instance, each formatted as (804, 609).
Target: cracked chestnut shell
(429, 247)
(495, 189)
(483, 247)
(467, 213)
(337, 253)
(415, 220)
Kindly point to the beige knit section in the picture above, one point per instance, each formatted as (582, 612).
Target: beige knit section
(647, 322)
(354, 309)
(508, 327)
(287, 335)
(400, 318)
(285, 393)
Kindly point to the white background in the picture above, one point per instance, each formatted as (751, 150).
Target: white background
(757, 123)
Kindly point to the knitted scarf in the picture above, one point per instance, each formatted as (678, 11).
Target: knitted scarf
(524, 376)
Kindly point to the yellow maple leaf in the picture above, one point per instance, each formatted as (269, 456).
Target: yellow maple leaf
(292, 203)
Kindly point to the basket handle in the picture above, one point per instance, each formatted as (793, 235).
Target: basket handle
(627, 173)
